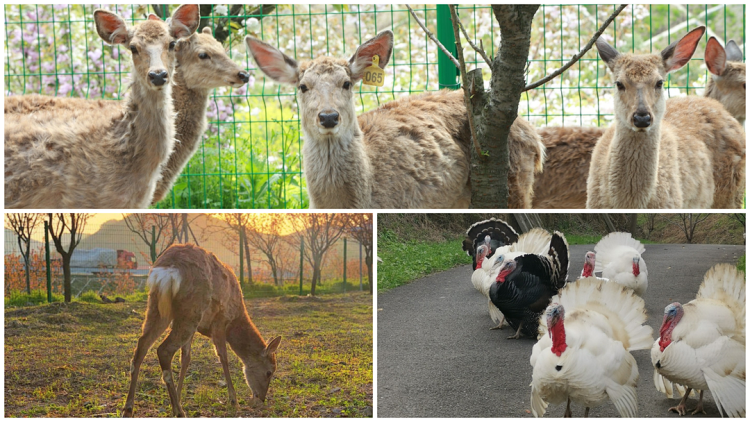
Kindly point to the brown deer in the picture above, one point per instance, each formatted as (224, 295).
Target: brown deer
(688, 152)
(194, 291)
(68, 156)
(727, 82)
(409, 153)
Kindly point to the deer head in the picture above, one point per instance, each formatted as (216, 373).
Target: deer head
(325, 85)
(260, 369)
(640, 101)
(727, 82)
(204, 64)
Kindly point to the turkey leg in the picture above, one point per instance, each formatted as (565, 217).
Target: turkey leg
(518, 332)
(680, 408)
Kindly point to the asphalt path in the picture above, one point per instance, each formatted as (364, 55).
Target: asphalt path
(437, 357)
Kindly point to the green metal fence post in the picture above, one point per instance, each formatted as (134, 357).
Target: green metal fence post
(153, 245)
(344, 265)
(242, 261)
(360, 266)
(446, 68)
(301, 263)
(47, 260)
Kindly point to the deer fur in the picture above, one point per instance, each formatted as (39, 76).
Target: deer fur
(727, 82)
(69, 155)
(194, 291)
(409, 153)
(659, 153)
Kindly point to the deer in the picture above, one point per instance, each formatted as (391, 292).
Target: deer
(562, 184)
(727, 81)
(688, 152)
(409, 153)
(191, 289)
(70, 153)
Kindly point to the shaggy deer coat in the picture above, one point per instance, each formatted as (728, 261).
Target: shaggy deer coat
(409, 153)
(89, 157)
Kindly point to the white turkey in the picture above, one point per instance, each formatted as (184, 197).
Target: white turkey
(702, 344)
(583, 352)
(589, 263)
(618, 258)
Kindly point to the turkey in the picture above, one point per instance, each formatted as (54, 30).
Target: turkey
(583, 352)
(702, 344)
(618, 258)
(589, 263)
(500, 233)
(524, 285)
(535, 241)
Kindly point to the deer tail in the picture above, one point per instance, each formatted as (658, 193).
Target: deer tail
(164, 283)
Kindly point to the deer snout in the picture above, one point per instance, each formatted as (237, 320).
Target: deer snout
(329, 120)
(158, 77)
(244, 77)
(642, 119)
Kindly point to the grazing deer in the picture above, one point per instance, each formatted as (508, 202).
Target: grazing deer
(688, 152)
(66, 156)
(194, 291)
(727, 82)
(409, 153)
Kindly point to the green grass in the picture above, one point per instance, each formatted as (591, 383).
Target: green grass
(21, 298)
(407, 261)
(72, 360)
(741, 263)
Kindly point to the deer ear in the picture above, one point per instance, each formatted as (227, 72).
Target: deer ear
(275, 64)
(272, 346)
(153, 17)
(381, 45)
(734, 54)
(184, 20)
(606, 52)
(207, 30)
(715, 57)
(679, 53)
(111, 28)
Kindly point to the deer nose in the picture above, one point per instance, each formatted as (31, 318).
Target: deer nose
(158, 78)
(244, 77)
(329, 120)
(641, 119)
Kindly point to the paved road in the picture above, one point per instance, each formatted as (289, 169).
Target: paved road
(436, 356)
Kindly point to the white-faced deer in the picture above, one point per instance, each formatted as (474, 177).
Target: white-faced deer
(72, 154)
(688, 152)
(194, 291)
(409, 153)
(727, 82)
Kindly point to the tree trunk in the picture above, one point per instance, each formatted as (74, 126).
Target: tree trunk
(274, 271)
(496, 110)
(633, 223)
(247, 258)
(315, 277)
(368, 262)
(66, 276)
(26, 266)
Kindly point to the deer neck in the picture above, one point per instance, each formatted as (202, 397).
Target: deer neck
(244, 338)
(337, 169)
(634, 165)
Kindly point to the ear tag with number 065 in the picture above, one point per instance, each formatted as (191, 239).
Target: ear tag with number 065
(374, 75)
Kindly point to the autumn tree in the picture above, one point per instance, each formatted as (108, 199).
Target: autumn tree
(24, 224)
(319, 231)
(160, 231)
(264, 232)
(236, 225)
(71, 225)
(360, 229)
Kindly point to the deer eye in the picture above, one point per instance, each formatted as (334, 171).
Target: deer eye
(172, 44)
(347, 85)
(203, 56)
(269, 373)
(303, 88)
(133, 49)
(659, 84)
(620, 86)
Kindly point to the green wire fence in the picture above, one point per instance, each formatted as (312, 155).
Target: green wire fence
(250, 156)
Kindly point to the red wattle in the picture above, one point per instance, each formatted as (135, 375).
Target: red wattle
(636, 269)
(588, 270)
(665, 334)
(558, 338)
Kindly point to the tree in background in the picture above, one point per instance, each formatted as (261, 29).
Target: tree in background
(73, 225)
(160, 231)
(360, 229)
(688, 223)
(263, 232)
(24, 224)
(235, 225)
(319, 232)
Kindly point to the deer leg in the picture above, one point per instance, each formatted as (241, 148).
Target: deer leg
(153, 327)
(181, 333)
(184, 363)
(220, 344)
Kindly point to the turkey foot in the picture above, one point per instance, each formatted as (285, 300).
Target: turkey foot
(499, 326)
(680, 408)
(518, 333)
(586, 413)
(568, 413)
(699, 408)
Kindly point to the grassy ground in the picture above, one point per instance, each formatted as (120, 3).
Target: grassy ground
(72, 360)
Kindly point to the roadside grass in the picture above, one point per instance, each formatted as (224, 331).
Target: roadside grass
(741, 264)
(72, 360)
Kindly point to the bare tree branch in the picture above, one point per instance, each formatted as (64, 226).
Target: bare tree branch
(578, 56)
(435, 40)
(479, 49)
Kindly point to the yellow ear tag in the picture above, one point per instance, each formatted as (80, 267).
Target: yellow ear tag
(374, 75)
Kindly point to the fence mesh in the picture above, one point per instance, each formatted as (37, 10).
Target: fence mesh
(250, 155)
(112, 259)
